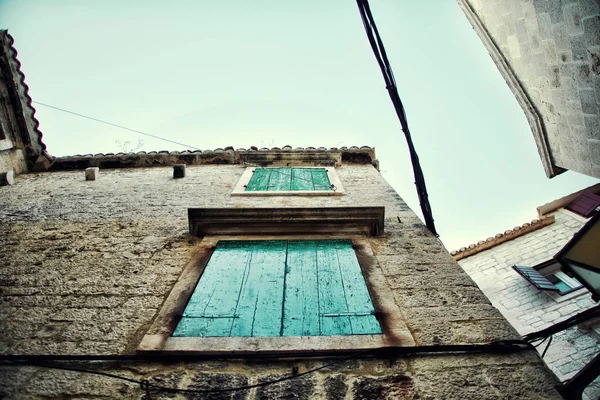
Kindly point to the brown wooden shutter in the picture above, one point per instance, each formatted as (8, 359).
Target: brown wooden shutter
(585, 204)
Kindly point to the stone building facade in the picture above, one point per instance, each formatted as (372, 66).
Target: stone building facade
(95, 273)
(548, 51)
(529, 309)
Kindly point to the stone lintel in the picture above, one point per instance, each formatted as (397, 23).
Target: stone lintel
(246, 221)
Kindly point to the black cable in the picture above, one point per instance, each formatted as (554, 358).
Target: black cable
(390, 85)
(548, 345)
(146, 384)
(115, 125)
(496, 346)
(567, 323)
(502, 346)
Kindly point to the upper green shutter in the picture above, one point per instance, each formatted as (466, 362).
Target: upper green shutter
(285, 179)
(280, 288)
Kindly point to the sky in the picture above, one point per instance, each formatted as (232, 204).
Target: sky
(275, 73)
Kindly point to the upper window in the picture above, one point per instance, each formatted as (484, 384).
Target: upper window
(281, 179)
(287, 181)
(260, 288)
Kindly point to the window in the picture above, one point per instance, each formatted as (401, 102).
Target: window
(564, 282)
(281, 179)
(289, 181)
(280, 288)
(549, 276)
(585, 204)
(374, 321)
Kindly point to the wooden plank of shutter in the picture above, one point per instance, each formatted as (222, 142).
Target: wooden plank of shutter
(362, 314)
(260, 302)
(302, 179)
(259, 180)
(281, 179)
(585, 204)
(535, 278)
(301, 302)
(212, 308)
(320, 179)
(333, 311)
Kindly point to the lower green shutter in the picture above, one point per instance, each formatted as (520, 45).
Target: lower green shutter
(280, 288)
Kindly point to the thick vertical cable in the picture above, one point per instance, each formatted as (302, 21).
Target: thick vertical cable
(390, 85)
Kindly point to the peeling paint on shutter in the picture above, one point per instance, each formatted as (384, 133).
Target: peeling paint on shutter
(280, 288)
(284, 179)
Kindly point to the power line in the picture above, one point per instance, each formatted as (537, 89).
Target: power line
(501, 346)
(115, 125)
(390, 84)
(146, 385)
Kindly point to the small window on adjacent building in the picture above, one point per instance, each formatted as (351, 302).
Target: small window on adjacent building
(258, 288)
(585, 204)
(549, 276)
(564, 282)
(288, 181)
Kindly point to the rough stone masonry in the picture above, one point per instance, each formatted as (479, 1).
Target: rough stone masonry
(85, 267)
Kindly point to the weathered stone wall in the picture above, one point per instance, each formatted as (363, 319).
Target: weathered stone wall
(86, 265)
(553, 49)
(529, 309)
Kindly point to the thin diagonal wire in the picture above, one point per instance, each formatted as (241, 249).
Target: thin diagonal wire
(115, 125)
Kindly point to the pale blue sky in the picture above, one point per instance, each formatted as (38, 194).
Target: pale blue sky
(274, 73)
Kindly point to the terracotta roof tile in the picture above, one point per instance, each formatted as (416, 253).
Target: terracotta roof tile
(23, 88)
(228, 155)
(499, 238)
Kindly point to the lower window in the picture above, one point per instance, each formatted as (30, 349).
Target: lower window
(258, 288)
(244, 295)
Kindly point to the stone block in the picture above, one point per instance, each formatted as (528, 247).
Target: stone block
(561, 37)
(573, 18)
(335, 387)
(384, 388)
(595, 151)
(555, 9)
(588, 101)
(302, 388)
(178, 171)
(549, 47)
(91, 173)
(542, 7)
(590, 7)
(514, 47)
(207, 381)
(544, 24)
(579, 48)
(7, 178)
(591, 31)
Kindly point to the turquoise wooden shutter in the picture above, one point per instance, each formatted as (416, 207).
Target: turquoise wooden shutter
(345, 306)
(212, 307)
(535, 278)
(301, 304)
(320, 179)
(240, 292)
(259, 180)
(260, 298)
(284, 179)
(280, 288)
